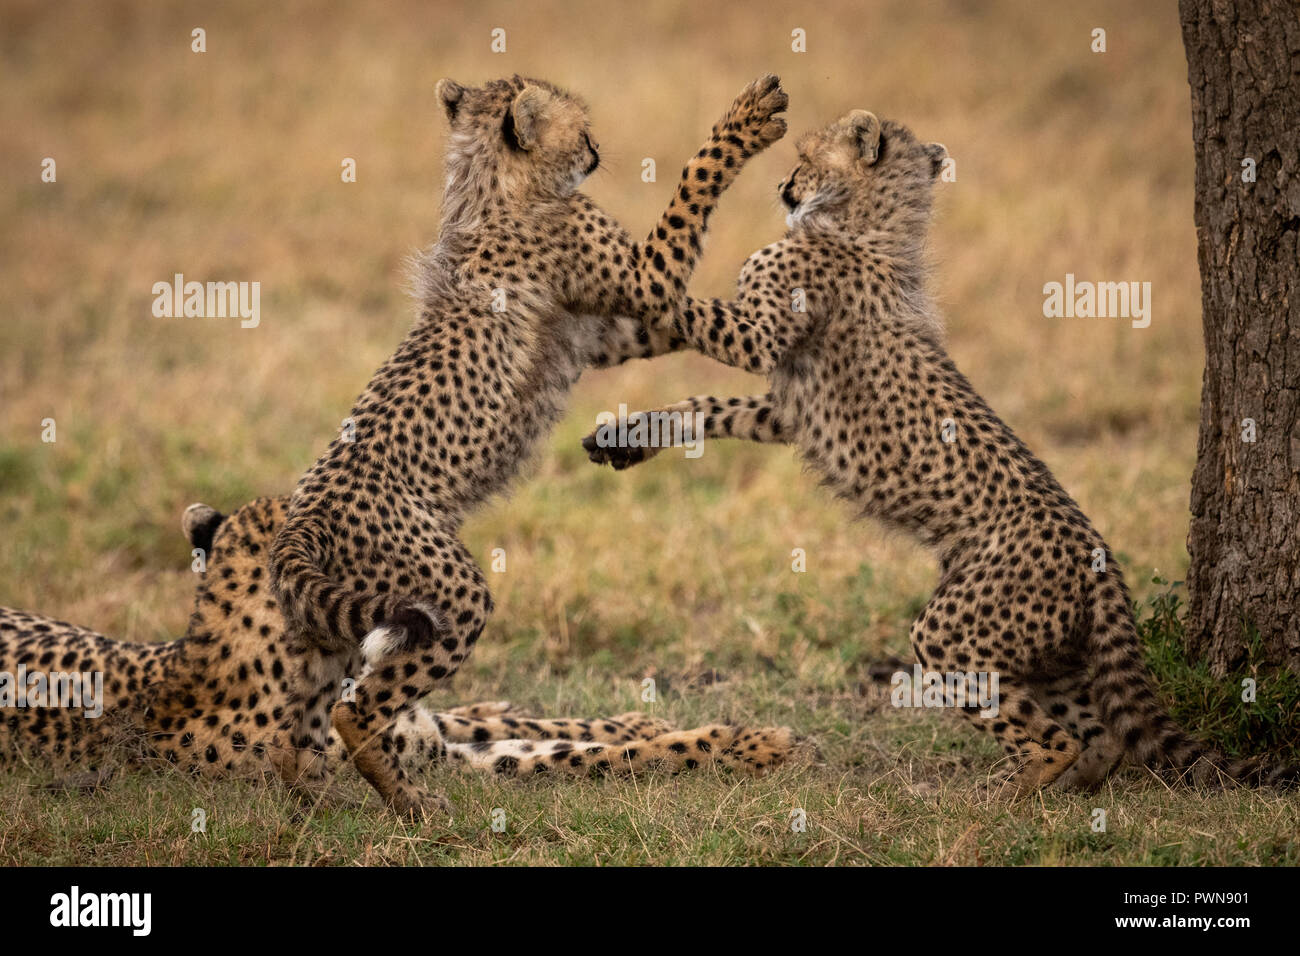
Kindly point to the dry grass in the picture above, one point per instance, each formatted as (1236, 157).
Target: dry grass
(226, 165)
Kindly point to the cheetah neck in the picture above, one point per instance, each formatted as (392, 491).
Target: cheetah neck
(468, 212)
(473, 177)
(899, 227)
(482, 187)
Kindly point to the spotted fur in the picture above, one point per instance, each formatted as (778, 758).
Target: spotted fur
(210, 702)
(521, 292)
(862, 386)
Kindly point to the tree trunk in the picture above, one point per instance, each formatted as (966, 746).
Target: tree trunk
(1243, 65)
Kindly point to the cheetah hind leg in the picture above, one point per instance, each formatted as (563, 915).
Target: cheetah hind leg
(1041, 749)
(1070, 701)
(751, 750)
(299, 750)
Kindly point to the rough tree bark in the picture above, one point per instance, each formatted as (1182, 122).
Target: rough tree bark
(1243, 66)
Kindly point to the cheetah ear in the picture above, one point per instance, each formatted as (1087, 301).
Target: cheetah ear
(526, 116)
(450, 94)
(865, 131)
(937, 153)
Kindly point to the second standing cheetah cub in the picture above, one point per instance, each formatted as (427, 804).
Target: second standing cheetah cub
(862, 385)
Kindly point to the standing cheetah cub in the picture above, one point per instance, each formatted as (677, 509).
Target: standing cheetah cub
(862, 385)
(522, 291)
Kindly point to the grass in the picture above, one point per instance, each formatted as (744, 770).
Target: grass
(225, 165)
(1215, 706)
(875, 785)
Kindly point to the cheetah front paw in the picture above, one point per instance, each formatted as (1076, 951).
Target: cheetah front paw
(600, 452)
(753, 115)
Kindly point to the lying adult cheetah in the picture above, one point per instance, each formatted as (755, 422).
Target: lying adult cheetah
(862, 385)
(210, 701)
(523, 290)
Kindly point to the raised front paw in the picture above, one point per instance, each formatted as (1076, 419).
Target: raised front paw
(752, 117)
(603, 451)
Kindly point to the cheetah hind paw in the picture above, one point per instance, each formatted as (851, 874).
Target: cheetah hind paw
(415, 803)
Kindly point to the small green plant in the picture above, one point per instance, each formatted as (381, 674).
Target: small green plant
(1211, 706)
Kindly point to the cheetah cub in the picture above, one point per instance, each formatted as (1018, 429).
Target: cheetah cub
(528, 284)
(862, 385)
(208, 703)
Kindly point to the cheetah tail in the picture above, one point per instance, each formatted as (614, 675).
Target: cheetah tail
(336, 617)
(752, 750)
(200, 523)
(1152, 738)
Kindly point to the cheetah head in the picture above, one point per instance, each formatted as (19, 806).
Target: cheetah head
(862, 173)
(533, 138)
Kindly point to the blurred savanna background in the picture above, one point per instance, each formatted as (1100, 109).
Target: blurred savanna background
(225, 165)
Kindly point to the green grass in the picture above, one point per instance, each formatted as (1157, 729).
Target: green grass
(1215, 707)
(877, 786)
